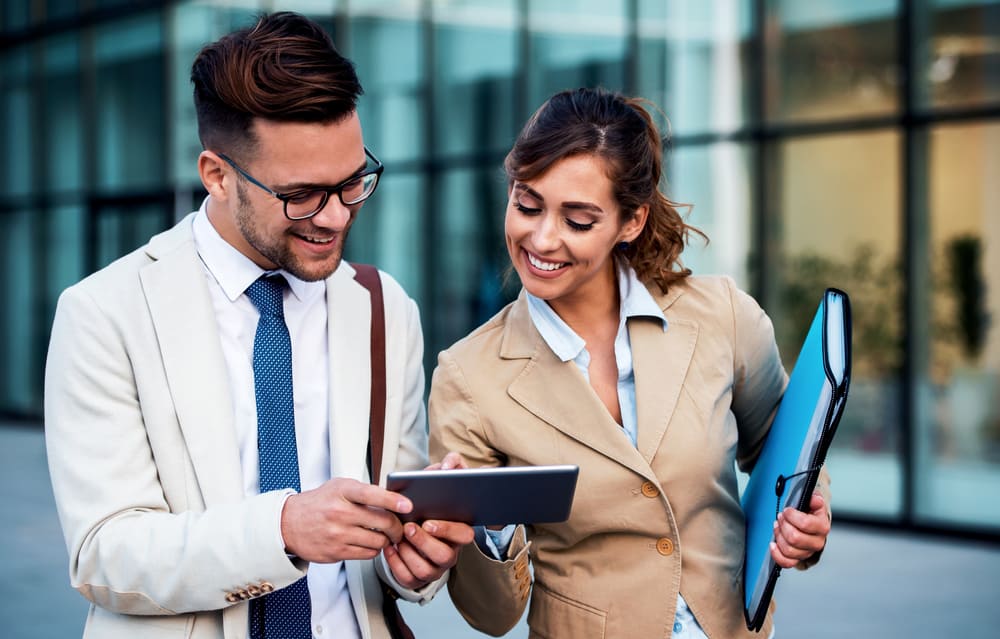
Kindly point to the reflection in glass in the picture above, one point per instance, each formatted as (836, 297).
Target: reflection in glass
(575, 44)
(17, 118)
(475, 45)
(715, 180)
(389, 231)
(20, 367)
(694, 62)
(957, 55)
(63, 111)
(385, 44)
(831, 59)
(838, 227)
(131, 103)
(958, 431)
(472, 208)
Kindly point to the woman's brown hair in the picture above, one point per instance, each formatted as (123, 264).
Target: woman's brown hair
(284, 68)
(621, 132)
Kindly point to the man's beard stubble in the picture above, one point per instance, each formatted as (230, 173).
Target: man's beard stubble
(275, 249)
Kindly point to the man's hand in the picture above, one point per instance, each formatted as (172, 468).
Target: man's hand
(342, 519)
(799, 535)
(428, 550)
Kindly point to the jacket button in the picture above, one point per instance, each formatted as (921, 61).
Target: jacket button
(232, 598)
(266, 587)
(649, 489)
(664, 546)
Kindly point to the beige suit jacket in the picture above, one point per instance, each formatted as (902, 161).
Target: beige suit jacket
(143, 453)
(647, 521)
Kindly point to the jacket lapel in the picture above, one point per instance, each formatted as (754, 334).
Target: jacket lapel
(557, 393)
(349, 323)
(182, 314)
(660, 360)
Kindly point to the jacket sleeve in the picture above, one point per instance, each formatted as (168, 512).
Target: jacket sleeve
(491, 595)
(129, 553)
(760, 381)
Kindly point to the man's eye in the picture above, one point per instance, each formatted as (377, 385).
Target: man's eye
(301, 197)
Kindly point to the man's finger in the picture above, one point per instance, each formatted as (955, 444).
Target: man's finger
(372, 495)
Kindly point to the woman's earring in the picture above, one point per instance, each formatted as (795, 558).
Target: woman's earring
(622, 247)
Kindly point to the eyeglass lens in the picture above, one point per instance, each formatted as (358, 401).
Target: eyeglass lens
(305, 203)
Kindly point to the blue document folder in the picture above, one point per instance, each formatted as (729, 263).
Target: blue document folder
(786, 471)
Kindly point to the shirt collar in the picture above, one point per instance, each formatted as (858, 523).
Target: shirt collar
(233, 270)
(636, 301)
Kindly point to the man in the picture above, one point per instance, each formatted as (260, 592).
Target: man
(207, 396)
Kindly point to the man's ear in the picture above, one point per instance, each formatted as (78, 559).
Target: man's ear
(211, 169)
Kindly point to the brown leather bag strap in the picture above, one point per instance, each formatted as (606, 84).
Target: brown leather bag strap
(367, 275)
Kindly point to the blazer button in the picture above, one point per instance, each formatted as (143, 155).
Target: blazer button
(254, 590)
(649, 489)
(266, 587)
(231, 597)
(664, 546)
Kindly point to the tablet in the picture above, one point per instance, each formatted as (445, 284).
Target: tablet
(488, 496)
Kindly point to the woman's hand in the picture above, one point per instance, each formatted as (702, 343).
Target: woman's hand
(426, 551)
(799, 535)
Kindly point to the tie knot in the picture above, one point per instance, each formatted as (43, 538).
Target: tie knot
(267, 294)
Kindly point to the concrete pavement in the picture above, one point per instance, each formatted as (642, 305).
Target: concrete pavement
(870, 584)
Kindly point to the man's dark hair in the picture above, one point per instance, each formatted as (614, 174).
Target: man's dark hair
(284, 68)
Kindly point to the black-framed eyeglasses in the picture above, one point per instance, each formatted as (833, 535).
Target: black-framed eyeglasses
(305, 203)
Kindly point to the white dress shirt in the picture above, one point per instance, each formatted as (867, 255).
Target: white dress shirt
(228, 273)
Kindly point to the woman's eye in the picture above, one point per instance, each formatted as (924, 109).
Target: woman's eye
(577, 226)
(527, 210)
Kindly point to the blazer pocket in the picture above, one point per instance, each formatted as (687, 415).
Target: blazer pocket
(554, 616)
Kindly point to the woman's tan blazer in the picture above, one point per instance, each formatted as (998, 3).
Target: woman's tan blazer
(647, 521)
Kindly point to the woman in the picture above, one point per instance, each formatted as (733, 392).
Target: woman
(616, 359)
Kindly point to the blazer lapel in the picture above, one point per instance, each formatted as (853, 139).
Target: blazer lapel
(660, 360)
(185, 324)
(557, 393)
(349, 323)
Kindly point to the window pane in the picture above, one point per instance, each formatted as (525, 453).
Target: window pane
(958, 428)
(957, 53)
(575, 44)
(472, 212)
(130, 108)
(693, 60)
(16, 117)
(831, 59)
(20, 365)
(716, 180)
(63, 110)
(476, 57)
(838, 226)
(389, 231)
(385, 44)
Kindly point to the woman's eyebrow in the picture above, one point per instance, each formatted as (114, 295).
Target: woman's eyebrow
(521, 186)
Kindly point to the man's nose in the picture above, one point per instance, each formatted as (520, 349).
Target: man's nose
(334, 215)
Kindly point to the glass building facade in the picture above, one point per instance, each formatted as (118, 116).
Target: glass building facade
(847, 143)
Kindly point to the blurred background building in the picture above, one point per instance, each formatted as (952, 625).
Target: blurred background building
(847, 143)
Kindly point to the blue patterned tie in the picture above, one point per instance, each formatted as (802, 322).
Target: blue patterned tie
(285, 613)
